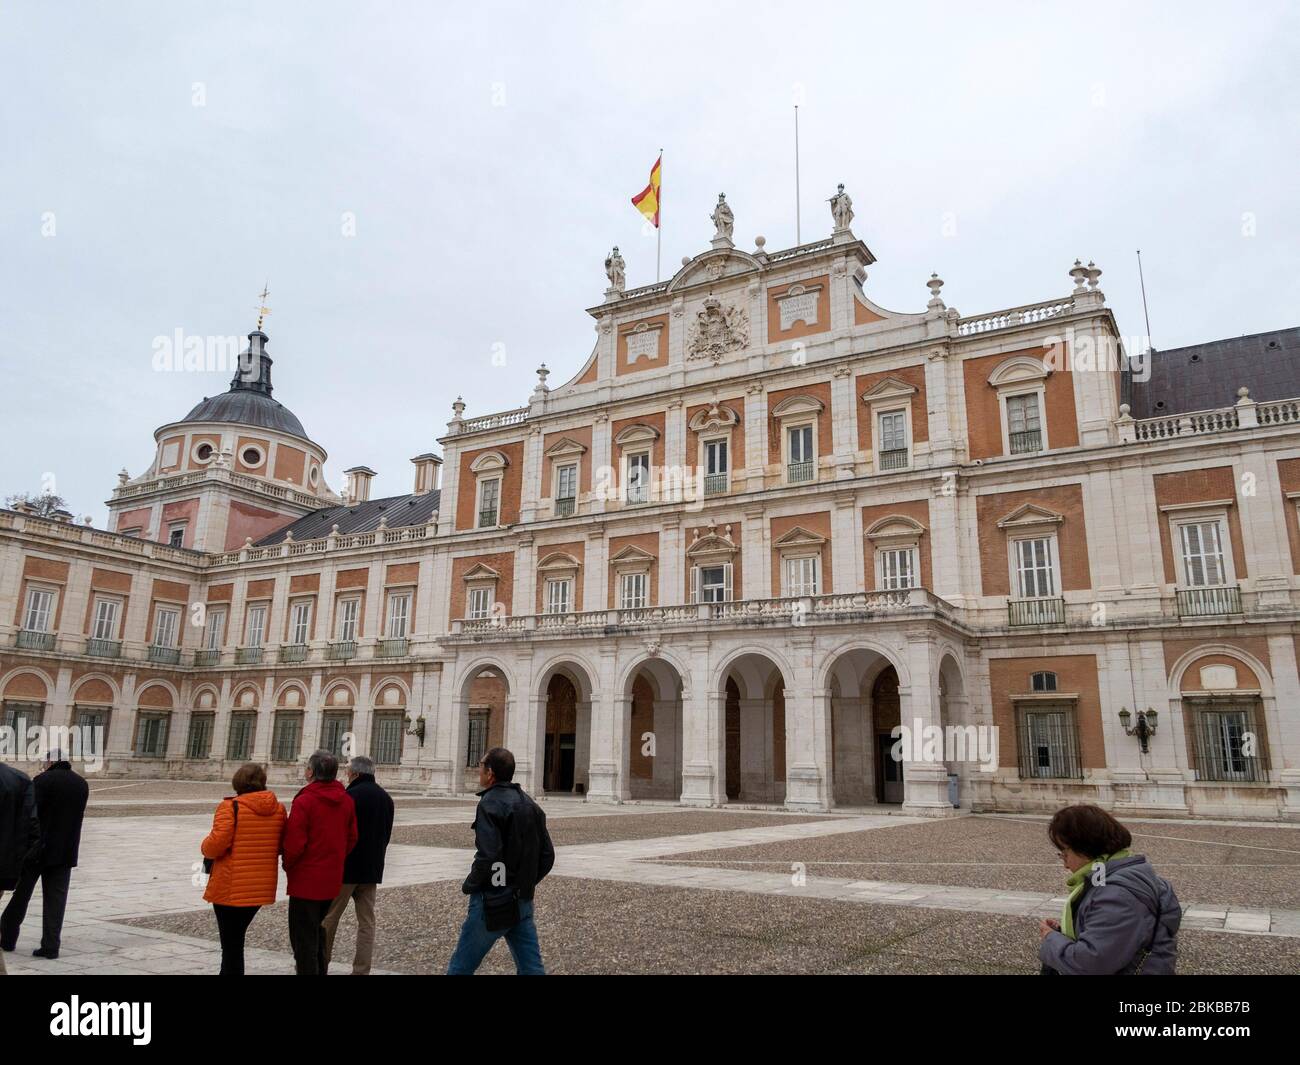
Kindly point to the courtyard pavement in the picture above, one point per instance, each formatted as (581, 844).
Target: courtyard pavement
(655, 888)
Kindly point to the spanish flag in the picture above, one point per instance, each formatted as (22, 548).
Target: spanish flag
(647, 201)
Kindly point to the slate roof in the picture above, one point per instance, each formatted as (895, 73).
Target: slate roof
(1206, 376)
(359, 517)
(248, 408)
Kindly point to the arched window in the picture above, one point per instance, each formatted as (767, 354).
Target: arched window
(1042, 682)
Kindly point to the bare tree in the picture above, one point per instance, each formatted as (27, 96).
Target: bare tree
(44, 505)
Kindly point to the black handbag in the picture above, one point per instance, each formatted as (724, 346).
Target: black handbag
(501, 912)
(207, 862)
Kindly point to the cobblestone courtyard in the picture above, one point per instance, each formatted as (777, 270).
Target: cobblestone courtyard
(661, 889)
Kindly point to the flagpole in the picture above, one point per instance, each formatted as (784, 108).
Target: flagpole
(659, 229)
(798, 233)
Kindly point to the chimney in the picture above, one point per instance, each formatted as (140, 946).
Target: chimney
(428, 468)
(359, 478)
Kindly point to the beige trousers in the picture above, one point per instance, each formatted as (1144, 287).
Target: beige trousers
(364, 894)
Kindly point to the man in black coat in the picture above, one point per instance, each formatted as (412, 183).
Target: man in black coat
(513, 853)
(60, 807)
(20, 831)
(364, 867)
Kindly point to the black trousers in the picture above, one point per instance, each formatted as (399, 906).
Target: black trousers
(54, 900)
(307, 936)
(232, 924)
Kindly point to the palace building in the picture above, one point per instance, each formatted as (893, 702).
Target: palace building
(765, 524)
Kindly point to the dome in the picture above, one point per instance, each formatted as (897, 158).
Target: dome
(249, 400)
(248, 408)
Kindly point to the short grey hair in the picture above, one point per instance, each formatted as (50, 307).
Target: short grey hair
(362, 764)
(323, 765)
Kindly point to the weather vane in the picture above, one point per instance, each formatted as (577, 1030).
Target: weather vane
(263, 310)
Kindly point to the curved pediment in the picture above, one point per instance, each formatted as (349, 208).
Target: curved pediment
(714, 265)
(895, 526)
(489, 460)
(637, 434)
(800, 404)
(1018, 370)
(715, 416)
(557, 561)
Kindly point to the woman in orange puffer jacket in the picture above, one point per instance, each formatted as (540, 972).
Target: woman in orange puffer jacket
(245, 851)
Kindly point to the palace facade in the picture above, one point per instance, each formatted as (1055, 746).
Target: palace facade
(767, 522)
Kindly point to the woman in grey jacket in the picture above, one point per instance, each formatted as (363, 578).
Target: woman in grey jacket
(1120, 917)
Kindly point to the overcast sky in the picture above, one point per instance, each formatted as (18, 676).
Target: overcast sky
(162, 160)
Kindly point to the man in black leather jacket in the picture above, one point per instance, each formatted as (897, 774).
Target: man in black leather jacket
(514, 853)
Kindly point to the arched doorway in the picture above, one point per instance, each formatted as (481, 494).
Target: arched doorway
(754, 751)
(484, 698)
(654, 765)
(559, 757)
(865, 709)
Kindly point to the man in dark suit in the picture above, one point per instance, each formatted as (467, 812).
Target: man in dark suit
(19, 829)
(364, 868)
(60, 807)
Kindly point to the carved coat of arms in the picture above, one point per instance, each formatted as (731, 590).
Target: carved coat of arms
(717, 330)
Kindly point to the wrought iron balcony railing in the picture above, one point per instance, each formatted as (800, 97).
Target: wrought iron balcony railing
(1026, 442)
(248, 656)
(293, 652)
(1209, 602)
(341, 650)
(894, 459)
(100, 648)
(717, 484)
(167, 656)
(33, 640)
(393, 647)
(208, 657)
(800, 472)
(1036, 611)
(566, 506)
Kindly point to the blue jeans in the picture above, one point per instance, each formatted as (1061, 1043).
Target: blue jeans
(476, 941)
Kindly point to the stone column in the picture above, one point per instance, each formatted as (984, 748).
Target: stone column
(672, 559)
(582, 746)
(755, 437)
(531, 475)
(807, 735)
(844, 424)
(925, 783)
(846, 546)
(603, 478)
(667, 748)
(610, 763)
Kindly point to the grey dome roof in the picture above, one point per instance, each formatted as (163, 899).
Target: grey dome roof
(249, 400)
(248, 408)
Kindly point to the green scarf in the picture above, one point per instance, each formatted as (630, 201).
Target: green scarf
(1076, 882)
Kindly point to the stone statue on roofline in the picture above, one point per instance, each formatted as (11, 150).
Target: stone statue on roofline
(841, 209)
(724, 221)
(616, 270)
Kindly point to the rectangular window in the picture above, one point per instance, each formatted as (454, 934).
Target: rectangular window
(802, 576)
(1048, 745)
(399, 615)
(214, 629)
(239, 745)
(489, 502)
(105, 624)
(633, 591)
(300, 622)
(176, 536)
(478, 736)
(566, 490)
(717, 467)
(92, 724)
(199, 742)
(1203, 563)
(387, 747)
(559, 596)
(334, 731)
(167, 623)
(1226, 740)
(151, 735)
(286, 736)
(800, 444)
(712, 583)
(480, 604)
(256, 626)
(346, 629)
(893, 440)
(22, 716)
(1024, 425)
(1035, 576)
(40, 609)
(638, 478)
(898, 568)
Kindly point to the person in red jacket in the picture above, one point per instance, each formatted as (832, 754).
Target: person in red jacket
(321, 830)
